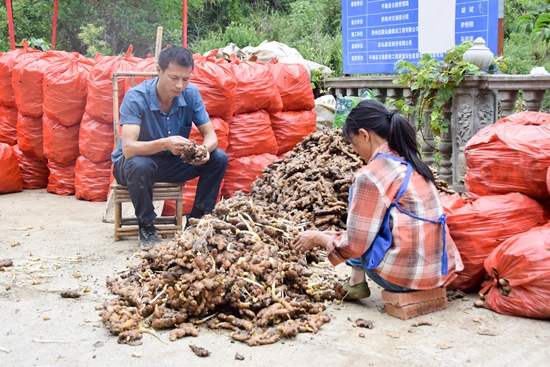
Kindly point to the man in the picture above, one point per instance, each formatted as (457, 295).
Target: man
(156, 121)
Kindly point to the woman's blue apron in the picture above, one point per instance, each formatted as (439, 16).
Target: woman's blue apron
(374, 255)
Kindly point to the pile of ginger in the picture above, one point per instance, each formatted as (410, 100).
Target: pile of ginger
(234, 269)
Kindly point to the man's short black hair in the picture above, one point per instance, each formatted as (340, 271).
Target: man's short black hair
(176, 54)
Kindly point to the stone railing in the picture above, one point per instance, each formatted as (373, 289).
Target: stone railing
(477, 101)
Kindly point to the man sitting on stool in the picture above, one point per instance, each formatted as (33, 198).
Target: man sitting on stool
(156, 121)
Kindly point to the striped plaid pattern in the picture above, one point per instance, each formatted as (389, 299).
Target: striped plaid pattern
(414, 258)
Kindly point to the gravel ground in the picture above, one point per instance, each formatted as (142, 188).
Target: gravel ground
(59, 243)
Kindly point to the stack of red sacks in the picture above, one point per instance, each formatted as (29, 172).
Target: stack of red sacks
(65, 91)
(503, 232)
(32, 164)
(96, 136)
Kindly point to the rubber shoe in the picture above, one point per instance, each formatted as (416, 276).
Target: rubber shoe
(148, 237)
(357, 291)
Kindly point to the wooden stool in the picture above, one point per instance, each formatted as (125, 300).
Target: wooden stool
(167, 225)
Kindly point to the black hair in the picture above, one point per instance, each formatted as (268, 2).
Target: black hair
(372, 115)
(176, 54)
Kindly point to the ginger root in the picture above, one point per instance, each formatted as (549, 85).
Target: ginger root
(193, 152)
(186, 329)
(199, 351)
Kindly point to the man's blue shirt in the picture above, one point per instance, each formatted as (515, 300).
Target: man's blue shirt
(140, 106)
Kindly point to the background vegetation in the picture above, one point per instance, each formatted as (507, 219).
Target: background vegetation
(313, 27)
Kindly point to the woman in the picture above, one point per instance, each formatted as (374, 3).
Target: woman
(396, 229)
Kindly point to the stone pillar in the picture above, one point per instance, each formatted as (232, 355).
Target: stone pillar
(379, 94)
(394, 94)
(533, 99)
(428, 140)
(446, 149)
(473, 109)
(410, 100)
(507, 99)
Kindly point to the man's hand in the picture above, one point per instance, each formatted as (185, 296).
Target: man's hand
(176, 143)
(201, 161)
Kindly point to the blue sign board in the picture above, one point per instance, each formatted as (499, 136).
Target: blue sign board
(377, 33)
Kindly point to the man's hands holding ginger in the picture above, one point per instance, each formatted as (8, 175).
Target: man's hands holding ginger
(188, 150)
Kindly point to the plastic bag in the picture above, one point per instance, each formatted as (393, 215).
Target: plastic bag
(479, 227)
(96, 139)
(27, 82)
(34, 172)
(99, 101)
(512, 155)
(251, 134)
(60, 141)
(61, 178)
(524, 262)
(256, 88)
(220, 127)
(7, 62)
(242, 172)
(217, 83)
(293, 83)
(66, 88)
(91, 180)
(30, 136)
(8, 125)
(345, 104)
(290, 127)
(9, 170)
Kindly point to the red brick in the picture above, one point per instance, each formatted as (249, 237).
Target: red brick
(409, 298)
(416, 309)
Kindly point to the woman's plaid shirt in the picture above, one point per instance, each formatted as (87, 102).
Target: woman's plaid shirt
(414, 258)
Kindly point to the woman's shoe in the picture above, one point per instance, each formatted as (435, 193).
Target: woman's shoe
(357, 291)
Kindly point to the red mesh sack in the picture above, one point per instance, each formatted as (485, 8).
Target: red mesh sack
(294, 85)
(60, 141)
(290, 127)
(34, 172)
(7, 62)
(61, 178)
(479, 227)
(96, 139)
(91, 180)
(8, 125)
(241, 173)
(451, 203)
(220, 127)
(524, 262)
(251, 134)
(146, 65)
(548, 180)
(256, 88)
(512, 155)
(188, 198)
(217, 83)
(9, 170)
(27, 82)
(30, 136)
(99, 101)
(65, 88)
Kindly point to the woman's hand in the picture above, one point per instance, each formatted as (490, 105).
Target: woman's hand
(310, 239)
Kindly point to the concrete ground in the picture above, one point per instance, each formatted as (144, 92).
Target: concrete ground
(59, 243)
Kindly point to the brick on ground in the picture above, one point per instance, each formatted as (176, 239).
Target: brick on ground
(409, 305)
